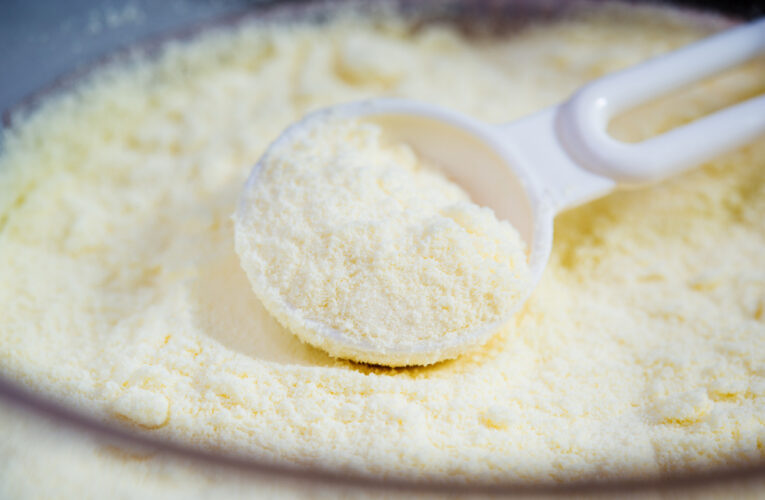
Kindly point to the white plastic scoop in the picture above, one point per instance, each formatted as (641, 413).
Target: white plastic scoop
(529, 170)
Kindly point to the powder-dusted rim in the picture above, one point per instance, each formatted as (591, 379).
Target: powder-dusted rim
(499, 14)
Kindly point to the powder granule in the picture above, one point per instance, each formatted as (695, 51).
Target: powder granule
(345, 227)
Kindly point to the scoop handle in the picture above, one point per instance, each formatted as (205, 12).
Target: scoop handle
(582, 120)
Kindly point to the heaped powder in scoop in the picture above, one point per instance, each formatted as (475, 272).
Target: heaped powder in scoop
(345, 227)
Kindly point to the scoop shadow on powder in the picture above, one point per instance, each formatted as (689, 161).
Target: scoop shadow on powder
(225, 309)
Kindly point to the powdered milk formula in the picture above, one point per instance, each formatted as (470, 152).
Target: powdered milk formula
(642, 351)
(347, 227)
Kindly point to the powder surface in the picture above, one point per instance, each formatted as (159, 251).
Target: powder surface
(345, 227)
(642, 350)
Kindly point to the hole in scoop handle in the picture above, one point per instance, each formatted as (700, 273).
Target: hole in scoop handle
(583, 119)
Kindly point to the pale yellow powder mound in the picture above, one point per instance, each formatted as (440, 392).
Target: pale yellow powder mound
(365, 251)
(642, 350)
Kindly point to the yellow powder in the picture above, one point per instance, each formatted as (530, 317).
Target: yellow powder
(346, 229)
(642, 351)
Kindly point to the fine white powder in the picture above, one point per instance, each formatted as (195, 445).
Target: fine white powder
(345, 227)
(642, 350)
